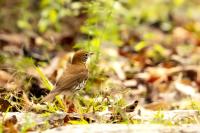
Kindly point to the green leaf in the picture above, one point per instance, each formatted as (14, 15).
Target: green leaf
(42, 25)
(53, 15)
(140, 45)
(45, 82)
(23, 24)
(78, 122)
(24, 63)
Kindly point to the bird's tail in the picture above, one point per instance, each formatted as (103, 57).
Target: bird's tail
(49, 97)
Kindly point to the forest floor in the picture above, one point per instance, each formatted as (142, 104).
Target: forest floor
(144, 75)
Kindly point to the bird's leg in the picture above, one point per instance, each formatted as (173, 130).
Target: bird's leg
(64, 103)
(69, 105)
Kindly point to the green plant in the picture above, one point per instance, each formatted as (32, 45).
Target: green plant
(48, 85)
(101, 27)
(195, 105)
(45, 82)
(78, 122)
(51, 12)
(159, 118)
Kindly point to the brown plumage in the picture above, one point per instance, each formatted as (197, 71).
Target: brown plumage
(73, 78)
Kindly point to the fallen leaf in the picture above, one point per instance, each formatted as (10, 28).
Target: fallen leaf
(185, 89)
(4, 105)
(160, 105)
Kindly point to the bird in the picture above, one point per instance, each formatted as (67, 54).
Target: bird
(73, 78)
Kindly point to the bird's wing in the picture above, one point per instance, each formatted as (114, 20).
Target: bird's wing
(72, 76)
(66, 84)
(70, 79)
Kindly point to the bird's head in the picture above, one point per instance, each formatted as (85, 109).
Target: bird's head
(81, 56)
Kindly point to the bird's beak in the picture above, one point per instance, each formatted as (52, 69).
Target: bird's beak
(91, 53)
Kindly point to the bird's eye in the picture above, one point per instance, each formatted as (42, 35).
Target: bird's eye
(85, 57)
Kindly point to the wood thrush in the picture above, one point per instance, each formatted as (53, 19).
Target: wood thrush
(73, 78)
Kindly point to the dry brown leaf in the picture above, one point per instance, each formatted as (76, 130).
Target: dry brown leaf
(185, 89)
(16, 39)
(160, 105)
(118, 70)
(9, 125)
(130, 83)
(4, 78)
(131, 107)
(4, 105)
